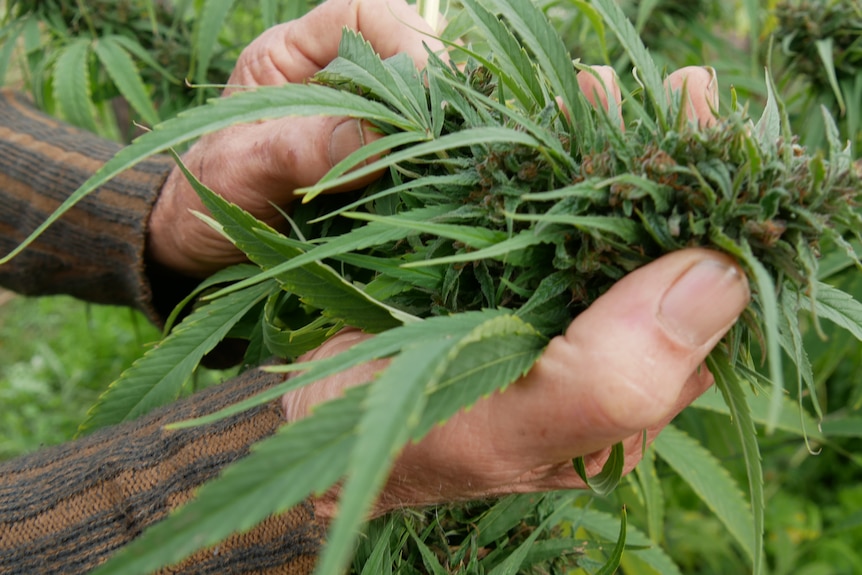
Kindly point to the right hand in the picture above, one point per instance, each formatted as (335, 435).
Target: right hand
(258, 166)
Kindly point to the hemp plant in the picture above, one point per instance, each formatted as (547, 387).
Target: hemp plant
(500, 217)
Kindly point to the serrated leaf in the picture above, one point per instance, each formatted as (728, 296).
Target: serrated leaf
(732, 389)
(491, 356)
(423, 278)
(382, 345)
(305, 457)
(768, 128)
(234, 273)
(547, 138)
(472, 236)
(123, 72)
(710, 481)
(793, 345)
(242, 107)
(346, 168)
(373, 234)
(158, 377)
(141, 53)
(358, 64)
(72, 84)
(315, 283)
(765, 294)
(392, 408)
(506, 250)
(759, 405)
(838, 307)
(208, 25)
(284, 342)
(627, 230)
(616, 555)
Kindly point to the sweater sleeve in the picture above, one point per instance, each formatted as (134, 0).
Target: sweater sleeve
(66, 509)
(95, 252)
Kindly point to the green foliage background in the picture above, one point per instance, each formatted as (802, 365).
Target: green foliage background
(814, 502)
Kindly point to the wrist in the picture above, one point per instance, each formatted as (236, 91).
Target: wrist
(179, 241)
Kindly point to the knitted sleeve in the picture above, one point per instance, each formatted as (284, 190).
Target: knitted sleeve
(95, 252)
(65, 509)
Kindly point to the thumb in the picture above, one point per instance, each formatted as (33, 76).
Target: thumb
(626, 363)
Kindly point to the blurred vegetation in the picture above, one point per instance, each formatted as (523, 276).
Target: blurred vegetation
(57, 355)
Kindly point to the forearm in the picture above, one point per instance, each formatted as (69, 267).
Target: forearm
(96, 251)
(67, 509)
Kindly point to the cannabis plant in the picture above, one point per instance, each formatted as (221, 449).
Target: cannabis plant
(509, 204)
(821, 41)
(107, 64)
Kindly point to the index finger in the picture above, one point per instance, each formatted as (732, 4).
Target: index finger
(296, 50)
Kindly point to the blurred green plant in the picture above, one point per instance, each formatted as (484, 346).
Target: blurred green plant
(110, 64)
(820, 42)
(56, 356)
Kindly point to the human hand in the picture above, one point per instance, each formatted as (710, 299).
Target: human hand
(258, 165)
(627, 365)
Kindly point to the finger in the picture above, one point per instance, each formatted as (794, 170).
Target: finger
(699, 86)
(296, 50)
(600, 86)
(624, 364)
(299, 402)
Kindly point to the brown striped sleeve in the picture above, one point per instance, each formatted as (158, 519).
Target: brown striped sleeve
(66, 509)
(94, 252)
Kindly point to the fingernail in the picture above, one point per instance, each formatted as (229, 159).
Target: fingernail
(703, 302)
(347, 137)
